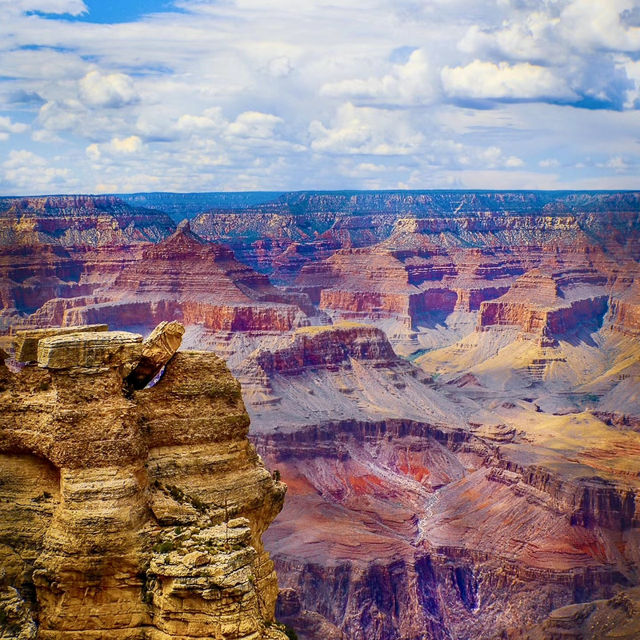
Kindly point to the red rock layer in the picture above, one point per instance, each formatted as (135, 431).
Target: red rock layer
(410, 529)
(550, 301)
(182, 278)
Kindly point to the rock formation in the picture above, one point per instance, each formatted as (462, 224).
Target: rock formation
(131, 512)
(182, 278)
(79, 220)
(617, 617)
(291, 230)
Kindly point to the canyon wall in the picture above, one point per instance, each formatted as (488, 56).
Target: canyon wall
(473, 488)
(414, 513)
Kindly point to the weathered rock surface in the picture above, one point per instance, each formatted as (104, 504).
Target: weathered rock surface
(337, 372)
(157, 349)
(131, 514)
(26, 342)
(616, 618)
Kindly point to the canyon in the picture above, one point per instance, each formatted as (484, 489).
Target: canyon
(447, 382)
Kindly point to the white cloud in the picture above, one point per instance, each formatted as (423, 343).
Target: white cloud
(617, 163)
(280, 67)
(411, 83)
(210, 120)
(365, 130)
(591, 24)
(60, 116)
(7, 126)
(72, 7)
(115, 147)
(31, 173)
(107, 90)
(253, 124)
(522, 81)
(244, 93)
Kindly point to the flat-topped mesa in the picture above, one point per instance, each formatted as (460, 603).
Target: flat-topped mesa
(71, 220)
(132, 513)
(330, 346)
(550, 302)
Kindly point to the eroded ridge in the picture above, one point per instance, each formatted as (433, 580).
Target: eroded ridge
(130, 513)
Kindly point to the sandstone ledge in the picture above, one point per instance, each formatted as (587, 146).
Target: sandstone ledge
(131, 513)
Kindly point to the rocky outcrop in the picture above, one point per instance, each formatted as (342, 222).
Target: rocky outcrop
(550, 302)
(624, 311)
(26, 341)
(617, 617)
(157, 349)
(337, 372)
(131, 514)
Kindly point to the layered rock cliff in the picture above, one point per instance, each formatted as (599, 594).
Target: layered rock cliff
(131, 512)
(79, 220)
(182, 277)
(467, 496)
(293, 229)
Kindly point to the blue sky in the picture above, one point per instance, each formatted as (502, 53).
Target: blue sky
(203, 95)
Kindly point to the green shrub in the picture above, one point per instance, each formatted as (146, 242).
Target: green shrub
(163, 547)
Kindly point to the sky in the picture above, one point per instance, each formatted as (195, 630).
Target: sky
(226, 95)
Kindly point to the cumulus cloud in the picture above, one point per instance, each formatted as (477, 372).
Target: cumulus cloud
(589, 24)
(410, 83)
(522, 81)
(32, 173)
(111, 90)
(60, 116)
(237, 94)
(365, 130)
(280, 67)
(8, 127)
(253, 124)
(115, 147)
(210, 120)
(582, 43)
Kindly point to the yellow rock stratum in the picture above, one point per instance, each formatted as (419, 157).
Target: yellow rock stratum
(131, 513)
